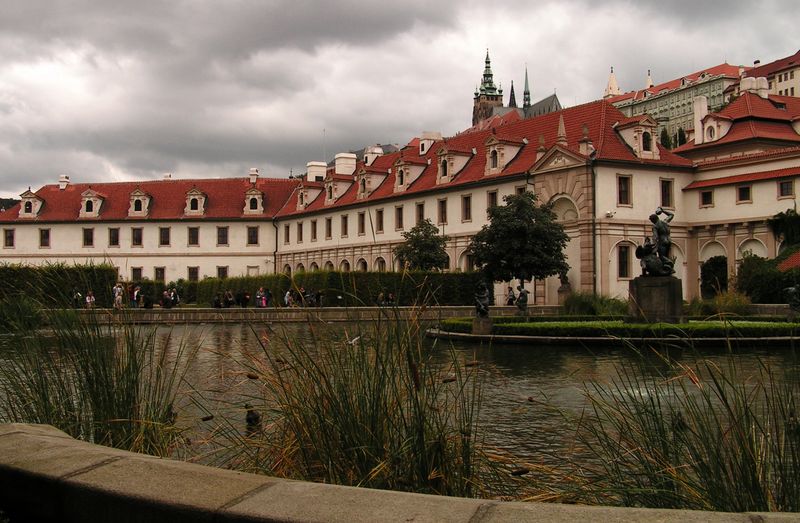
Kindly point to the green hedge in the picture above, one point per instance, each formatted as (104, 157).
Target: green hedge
(353, 288)
(702, 329)
(54, 285)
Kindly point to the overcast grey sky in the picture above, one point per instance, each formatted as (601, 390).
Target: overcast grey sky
(108, 90)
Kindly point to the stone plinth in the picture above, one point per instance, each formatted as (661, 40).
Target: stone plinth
(655, 299)
(564, 292)
(481, 325)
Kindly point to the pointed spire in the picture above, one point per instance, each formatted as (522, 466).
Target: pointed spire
(512, 100)
(561, 139)
(526, 94)
(648, 83)
(612, 88)
(487, 83)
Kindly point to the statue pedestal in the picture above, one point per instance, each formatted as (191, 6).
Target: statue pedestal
(655, 299)
(481, 325)
(563, 292)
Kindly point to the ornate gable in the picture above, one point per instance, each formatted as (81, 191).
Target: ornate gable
(91, 201)
(368, 180)
(31, 205)
(557, 158)
(253, 201)
(639, 132)
(406, 172)
(499, 153)
(139, 203)
(450, 162)
(195, 202)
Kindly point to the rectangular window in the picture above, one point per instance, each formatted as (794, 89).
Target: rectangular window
(420, 212)
(88, 237)
(666, 193)
(286, 233)
(785, 188)
(744, 194)
(328, 228)
(8, 238)
(159, 274)
(398, 218)
(491, 201)
(163, 236)
(194, 236)
(252, 235)
(136, 273)
(113, 237)
(362, 224)
(466, 208)
(313, 230)
(442, 211)
(519, 190)
(706, 198)
(222, 236)
(300, 232)
(44, 238)
(344, 226)
(136, 236)
(379, 220)
(193, 273)
(624, 190)
(222, 271)
(252, 270)
(623, 261)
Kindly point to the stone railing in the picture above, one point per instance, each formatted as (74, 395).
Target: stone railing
(47, 476)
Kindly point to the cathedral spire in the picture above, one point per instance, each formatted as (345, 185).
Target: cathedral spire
(512, 100)
(526, 94)
(487, 83)
(612, 88)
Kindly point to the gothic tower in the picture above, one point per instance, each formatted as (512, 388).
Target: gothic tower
(487, 95)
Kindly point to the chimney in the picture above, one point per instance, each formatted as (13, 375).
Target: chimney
(372, 152)
(344, 163)
(762, 87)
(756, 62)
(63, 181)
(253, 175)
(700, 109)
(315, 171)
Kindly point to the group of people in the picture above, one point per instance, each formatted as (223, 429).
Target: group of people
(301, 297)
(520, 300)
(385, 299)
(263, 298)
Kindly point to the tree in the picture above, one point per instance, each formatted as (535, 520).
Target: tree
(786, 226)
(714, 276)
(523, 241)
(665, 139)
(681, 136)
(423, 249)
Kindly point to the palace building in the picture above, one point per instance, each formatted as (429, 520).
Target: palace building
(603, 172)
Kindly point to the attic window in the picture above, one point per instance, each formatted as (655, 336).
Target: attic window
(253, 204)
(89, 206)
(493, 159)
(137, 205)
(193, 204)
(422, 147)
(330, 192)
(401, 176)
(444, 168)
(710, 133)
(28, 207)
(363, 185)
(647, 142)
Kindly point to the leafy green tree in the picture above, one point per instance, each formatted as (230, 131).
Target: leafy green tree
(786, 226)
(714, 276)
(423, 249)
(665, 139)
(523, 240)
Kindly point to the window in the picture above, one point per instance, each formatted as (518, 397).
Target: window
(706, 198)
(28, 208)
(222, 271)
(362, 225)
(362, 185)
(222, 236)
(163, 236)
(379, 220)
(313, 230)
(44, 238)
(401, 177)
(89, 206)
(743, 194)
(623, 261)
(137, 205)
(192, 273)
(442, 211)
(194, 235)
(286, 233)
(88, 237)
(466, 208)
(194, 204)
(519, 190)
(398, 218)
(344, 226)
(710, 133)
(444, 168)
(300, 232)
(623, 190)
(136, 273)
(254, 204)
(785, 188)
(420, 212)
(493, 159)
(159, 274)
(666, 193)
(491, 200)
(329, 190)
(647, 142)
(113, 237)
(252, 235)
(8, 238)
(136, 236)
(328, 228)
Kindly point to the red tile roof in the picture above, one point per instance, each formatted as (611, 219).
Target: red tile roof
(744, 178)
(225, 199)
(792, 262)
(751, 156)
(771, 68)
(724, 69)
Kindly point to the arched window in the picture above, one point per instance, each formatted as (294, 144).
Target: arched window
(380, 265)
(444, 168)
(647, 142)
(287, 269)
(363, 184)
(28, 207)
(401, 176)
(253, 204)
(89, 206)
(330, 192)
(137, 205)
(493, 159)
(710, 133)
(361, 265)
(194, 204)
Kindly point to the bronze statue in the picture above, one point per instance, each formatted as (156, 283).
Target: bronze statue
(482, 301)
(655, 253)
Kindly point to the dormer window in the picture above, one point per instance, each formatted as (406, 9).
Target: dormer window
(253, 201)
(28, 207)
(91, 202)
(329, 192)
(362, 186)
(710, 133)
(89, 207)
(647, 142)
(195, 203)
(493, 161)
(254, 204)
(137, 205)
(31, 205)
(401, 177)
(443, 170)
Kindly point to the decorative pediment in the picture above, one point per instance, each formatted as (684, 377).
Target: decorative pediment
(253, 201)
(368, 180)
(139, 203)
(450, 162)
(557, 158)
(406, 172)
(195, 202)
(335, 186)
(30, 204)
(91, 201)
(639, 133)
(500, 151)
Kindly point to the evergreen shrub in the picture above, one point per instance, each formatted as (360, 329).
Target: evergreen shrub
(54, 285)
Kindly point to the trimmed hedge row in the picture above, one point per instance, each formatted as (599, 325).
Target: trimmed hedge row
(618, 329)
(353, 288)
(54, 285)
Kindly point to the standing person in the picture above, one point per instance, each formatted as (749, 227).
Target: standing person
(173, 294)
(118, 291)
(77, 299)
(287, 298)
(267, 297)
(89, 299)
(511, 299)
(260, 297)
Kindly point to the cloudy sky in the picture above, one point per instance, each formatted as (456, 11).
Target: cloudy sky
(108, 90)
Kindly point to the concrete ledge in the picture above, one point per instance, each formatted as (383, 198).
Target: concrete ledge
(47, 476)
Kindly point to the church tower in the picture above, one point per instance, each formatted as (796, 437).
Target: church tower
(487, 95)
